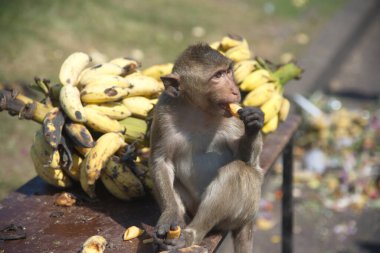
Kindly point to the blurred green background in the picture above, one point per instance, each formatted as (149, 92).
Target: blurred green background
(36, 36)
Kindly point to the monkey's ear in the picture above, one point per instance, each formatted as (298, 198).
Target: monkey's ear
(171, 83)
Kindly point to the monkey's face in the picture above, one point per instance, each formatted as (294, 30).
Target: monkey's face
(221, 91)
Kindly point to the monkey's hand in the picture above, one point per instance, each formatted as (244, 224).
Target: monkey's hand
(162, 242)
(253, 119)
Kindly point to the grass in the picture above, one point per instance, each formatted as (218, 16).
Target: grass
(36, 36)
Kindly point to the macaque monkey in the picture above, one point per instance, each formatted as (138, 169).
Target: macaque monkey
(204, 161)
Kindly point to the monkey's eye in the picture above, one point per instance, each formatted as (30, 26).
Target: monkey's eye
(218, 74)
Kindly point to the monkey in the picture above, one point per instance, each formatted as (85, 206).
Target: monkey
(205, 162)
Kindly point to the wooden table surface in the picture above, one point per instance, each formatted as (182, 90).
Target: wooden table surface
(50, 228)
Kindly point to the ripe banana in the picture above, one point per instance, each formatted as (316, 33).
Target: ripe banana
(72, 67)
(79, 134)
(74, 170)
(135, 129)
(271, 107)
(106, 69)
(255, 79)
(231, 41)
(271, 125)
(102, 123)
(53, 176)
(69, 98)
(113, 110)
(107, 81)
(144, 86)
(96, 159)
(52, 127)
(130, 65)
(94, 244)
(234, 108)
(215, 45)
(239, 53)
(102, 93)
(132, 232)
(243, 68)
(284, 110)
(260, 95)
(144, 174)
(123, 180)
(138, 106)
(156, 71)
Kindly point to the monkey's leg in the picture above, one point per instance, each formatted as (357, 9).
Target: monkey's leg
(230, 201)
(243, 238)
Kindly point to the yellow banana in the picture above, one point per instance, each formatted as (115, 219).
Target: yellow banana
(271, 125)
(174, 232)
(52, 127)
(107, 81)
(79, 134)
(260, 95)
(231, 41)
(113, 110)
(94, 244)
(91, 74)
(51, 157)
(255, 79)
(102, 93)
(69, 98)
(72, 67)
(74, 170)
(144, 86)
(90, 169)
(156, 71)
(123, 179)
(113, 188)
(271, 107)
(234, 108)
(144, 174)
(243, 68)
(82, 151)
(102, 123)
(135, 128)
(239, 53)
(138, 106)
(132, 232)
(130, 65)
(284, 110)
(53, 176)
(215, 45)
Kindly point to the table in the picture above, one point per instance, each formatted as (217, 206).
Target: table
(51, 228)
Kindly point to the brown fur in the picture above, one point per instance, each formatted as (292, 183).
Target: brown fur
(205, 163)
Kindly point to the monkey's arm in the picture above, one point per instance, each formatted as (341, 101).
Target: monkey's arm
(250, 144)
(161, 162)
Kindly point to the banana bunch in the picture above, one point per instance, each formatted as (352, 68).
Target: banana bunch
(87, 121)
(261, 86)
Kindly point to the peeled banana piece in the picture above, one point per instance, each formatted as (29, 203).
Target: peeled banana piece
(94, 244)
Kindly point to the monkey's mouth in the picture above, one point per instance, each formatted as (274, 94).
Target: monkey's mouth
(224, 106)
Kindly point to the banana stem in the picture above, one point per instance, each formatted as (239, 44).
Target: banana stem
(287, 72)
(24, 107)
